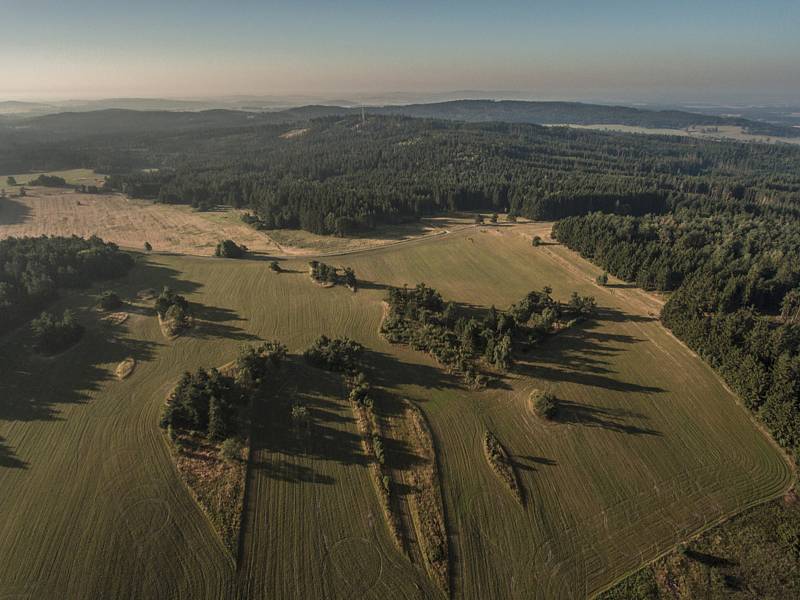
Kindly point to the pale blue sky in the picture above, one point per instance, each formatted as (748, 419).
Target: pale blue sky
(670, 50)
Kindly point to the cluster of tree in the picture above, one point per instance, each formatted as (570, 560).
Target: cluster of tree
(461, 338)
(335, 354)
(49, 181)
(213, 403)
(173, 310)
(326, 274)
(230, 249)
(344, 176)
(32, 270)
(735, 270)
(52, 334)
(89, 189)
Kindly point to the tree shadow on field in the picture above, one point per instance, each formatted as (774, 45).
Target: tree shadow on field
(583, 355)
(13, 212)
(526, 463)
(36, 388)
(282, 448)
(215, 322)
(8, 459)
(573, 413)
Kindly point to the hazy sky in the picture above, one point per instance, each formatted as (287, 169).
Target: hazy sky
(614, 49)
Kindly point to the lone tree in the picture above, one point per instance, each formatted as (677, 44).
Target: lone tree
(602, 279)
(545, 404)
(110, 300)
(511, 218)
(23, 192)
(350, 278)
(275, 267)
(479, 219)
(11, 180)
(230, 249)
(493, 218)
(148, 247)
(537, 241)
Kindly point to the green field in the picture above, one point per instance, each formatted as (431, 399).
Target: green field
(651, 447)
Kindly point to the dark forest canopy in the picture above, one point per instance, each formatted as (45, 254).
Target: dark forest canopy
(338, 175)
(32, 270)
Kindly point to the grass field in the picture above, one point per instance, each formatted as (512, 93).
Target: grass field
(650, 447)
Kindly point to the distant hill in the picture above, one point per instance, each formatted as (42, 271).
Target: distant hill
(574, 113)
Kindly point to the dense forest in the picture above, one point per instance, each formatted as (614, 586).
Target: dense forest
(32, 270)
(734, 269)
(338, 175)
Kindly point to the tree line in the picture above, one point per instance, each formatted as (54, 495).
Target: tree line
(734, 270)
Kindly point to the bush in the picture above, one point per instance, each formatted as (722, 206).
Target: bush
(231, 449)
(339, 354)
(55, 334)
(173, 308)
(230, 249)
(545, 404)
(110, 300)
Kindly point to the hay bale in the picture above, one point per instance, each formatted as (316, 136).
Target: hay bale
(125, 368)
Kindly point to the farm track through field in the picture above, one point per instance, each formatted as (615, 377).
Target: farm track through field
(650, 449)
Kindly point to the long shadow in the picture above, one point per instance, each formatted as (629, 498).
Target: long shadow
(582, 355)
(574, 413)
(276, 438)
(36, 388)
(709, 559)
(8, 459)
(13, 212)
(518, 459)
(214, 322)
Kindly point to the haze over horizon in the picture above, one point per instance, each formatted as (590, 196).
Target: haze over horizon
(681, 51)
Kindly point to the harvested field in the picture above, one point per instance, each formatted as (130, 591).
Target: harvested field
(180, 229)
(648, 447)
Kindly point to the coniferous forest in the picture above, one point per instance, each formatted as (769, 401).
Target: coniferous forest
(340, 175)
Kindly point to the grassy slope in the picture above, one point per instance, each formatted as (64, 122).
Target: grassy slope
(652, 448)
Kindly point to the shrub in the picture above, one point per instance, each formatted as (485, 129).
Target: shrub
(545, 404)
(110, 300)
(231, 449)
(300, 414)
(55, 334)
